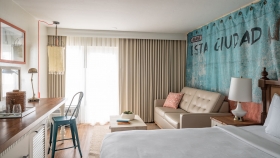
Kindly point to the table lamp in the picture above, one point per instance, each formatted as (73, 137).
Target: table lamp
(240, 91)
(32, 70)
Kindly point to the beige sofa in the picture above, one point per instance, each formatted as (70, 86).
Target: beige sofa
(194, 111)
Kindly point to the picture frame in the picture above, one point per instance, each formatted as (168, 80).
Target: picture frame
(9, 80)
(12, 43)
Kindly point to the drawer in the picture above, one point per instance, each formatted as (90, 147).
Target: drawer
(215, 123)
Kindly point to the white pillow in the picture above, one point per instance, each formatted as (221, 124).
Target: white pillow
(271, 108)
(273, 127)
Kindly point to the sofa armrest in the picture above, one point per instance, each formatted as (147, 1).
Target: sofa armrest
(198, 120)
(159, 102)
(224, 108)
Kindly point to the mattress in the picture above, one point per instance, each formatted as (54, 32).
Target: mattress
(218, 142)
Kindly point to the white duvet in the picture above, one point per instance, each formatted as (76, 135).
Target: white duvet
(218, 142)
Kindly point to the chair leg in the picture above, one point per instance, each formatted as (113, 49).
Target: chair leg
(55, 129)
(77, 137)
(50, 142)
(73, 135)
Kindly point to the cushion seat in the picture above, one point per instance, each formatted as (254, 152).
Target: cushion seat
(173, 119)
(162, 110)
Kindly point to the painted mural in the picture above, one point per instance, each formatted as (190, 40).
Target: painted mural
(239, 44)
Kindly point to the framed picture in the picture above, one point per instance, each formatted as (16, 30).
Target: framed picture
(12, 43)
(9, 80)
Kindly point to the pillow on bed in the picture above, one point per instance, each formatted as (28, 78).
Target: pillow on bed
(173, 100)
(271, 107)
(273, 127)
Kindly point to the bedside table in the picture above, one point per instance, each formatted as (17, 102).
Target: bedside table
(228, 120)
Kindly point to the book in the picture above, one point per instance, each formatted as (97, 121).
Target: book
(122, 120)
(123, 123)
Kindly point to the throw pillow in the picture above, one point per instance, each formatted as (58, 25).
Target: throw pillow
(271, 108)
(273, 127)
(173, 100)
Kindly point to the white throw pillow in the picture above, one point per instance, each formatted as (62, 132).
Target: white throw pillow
(271, 108)
(273, 127)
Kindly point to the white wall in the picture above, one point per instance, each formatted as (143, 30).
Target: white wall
(43, 61)
(11, 12)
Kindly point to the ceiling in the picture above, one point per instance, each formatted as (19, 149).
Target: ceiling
(161, 16)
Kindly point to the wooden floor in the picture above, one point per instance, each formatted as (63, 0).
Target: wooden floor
(85, 134)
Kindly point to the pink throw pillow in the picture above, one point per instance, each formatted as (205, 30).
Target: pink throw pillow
(173, 100)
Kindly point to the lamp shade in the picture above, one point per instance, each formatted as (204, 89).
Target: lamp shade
(32, 70)
(240, 89)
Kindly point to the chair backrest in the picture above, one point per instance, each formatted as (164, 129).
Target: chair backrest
(79, 97)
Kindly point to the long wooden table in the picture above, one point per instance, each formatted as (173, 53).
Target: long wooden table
(13, 129)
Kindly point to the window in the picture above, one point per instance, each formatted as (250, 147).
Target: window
(93, 70)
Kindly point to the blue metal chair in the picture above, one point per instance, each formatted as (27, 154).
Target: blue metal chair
(66, 121)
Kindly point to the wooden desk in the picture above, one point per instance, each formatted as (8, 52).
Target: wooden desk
(228, 120)
(13, 129)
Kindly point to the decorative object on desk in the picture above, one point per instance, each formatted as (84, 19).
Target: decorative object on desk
(123, 123)
(9, 74)
(17, 109)
(32, 70)
(128, 115)
(7, 108)
(123, 120)
(240, 91)
(16, 97)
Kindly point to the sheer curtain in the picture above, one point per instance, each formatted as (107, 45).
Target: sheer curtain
(92, 67)
(102, 84)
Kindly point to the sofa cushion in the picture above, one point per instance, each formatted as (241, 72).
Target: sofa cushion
(205, 102)
(173, 100)
(173, 119)
(187, 98)
(162, 110)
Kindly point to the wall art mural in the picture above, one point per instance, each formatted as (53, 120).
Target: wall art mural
(239, 44)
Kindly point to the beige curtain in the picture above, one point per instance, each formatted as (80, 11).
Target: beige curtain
(149, 70)
(56, 82)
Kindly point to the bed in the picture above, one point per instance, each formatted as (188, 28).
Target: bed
(218, 142)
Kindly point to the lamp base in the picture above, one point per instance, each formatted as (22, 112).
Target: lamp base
(33, 100)
(236, 118)
(238, 112)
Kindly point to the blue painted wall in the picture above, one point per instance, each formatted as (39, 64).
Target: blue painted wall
(240, 44)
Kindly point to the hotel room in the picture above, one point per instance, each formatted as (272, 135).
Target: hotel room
(139, 79)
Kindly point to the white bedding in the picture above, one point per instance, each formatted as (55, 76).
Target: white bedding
(260, 131)
(218, 142)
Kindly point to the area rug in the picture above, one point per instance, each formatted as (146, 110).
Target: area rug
(99, 132)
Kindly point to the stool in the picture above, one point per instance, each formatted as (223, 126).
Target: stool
(63, 121)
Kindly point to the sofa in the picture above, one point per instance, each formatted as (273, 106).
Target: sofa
(194, 110)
